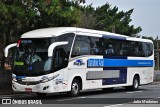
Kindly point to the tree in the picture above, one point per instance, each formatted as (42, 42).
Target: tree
(110, 19)
(57, 13)
(148, 37)
(87, 18)
(15, 18)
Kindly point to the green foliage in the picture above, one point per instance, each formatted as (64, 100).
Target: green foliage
(112, 20)
(57, 13)
(87, 18)
(15, 19)
(148, 37)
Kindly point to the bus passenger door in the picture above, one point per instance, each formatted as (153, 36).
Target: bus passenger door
(60, 63)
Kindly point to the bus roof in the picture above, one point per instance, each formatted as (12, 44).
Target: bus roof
(52, 32)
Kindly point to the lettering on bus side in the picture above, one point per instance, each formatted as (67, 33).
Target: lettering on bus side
(95, 62)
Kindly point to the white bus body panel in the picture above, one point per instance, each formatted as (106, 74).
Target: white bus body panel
(63, 82)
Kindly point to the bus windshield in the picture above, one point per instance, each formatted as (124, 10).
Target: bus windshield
(31, 57)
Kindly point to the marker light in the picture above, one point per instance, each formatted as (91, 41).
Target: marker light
(19, 41)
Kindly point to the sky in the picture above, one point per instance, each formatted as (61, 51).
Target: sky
(146, 13)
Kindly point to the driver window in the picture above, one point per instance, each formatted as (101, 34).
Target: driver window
(61, 53)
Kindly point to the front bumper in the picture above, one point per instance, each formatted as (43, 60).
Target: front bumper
(47, 87)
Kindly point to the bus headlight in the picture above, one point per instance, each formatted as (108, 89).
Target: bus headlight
(44, 80)
(48, 78)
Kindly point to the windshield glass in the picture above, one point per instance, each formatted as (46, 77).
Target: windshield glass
(31, 57)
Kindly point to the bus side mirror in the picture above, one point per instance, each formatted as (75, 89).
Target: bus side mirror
(7, 48)
(53, 45)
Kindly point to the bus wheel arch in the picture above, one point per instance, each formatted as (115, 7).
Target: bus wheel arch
(135, 83)
(76, 86)
(138, 77)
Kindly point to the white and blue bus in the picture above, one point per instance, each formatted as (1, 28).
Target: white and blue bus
(68, 59)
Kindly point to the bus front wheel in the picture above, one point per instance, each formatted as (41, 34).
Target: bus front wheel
(75, 88)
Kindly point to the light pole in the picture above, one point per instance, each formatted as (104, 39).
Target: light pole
(157, 54)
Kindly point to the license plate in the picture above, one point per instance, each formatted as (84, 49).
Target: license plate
(28, 89)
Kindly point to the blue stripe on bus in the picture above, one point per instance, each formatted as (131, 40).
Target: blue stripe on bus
(125, 62)
(114, 37)
(119, 63)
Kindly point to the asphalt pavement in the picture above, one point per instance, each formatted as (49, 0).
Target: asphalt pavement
(146, 96)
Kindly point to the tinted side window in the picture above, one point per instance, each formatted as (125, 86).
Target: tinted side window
(109, 47)
(96, 46)
(113, 47)
(61, 53)
(81, 46)
(142, 49)
(138, 50)
(66, 37)
(148, 49)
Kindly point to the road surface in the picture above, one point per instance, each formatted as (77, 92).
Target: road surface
(146, 96)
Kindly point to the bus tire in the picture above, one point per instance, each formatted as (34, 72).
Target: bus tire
(41, 94)
(135, 84)
(75, 88)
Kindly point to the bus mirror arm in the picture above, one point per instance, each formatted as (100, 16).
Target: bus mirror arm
(53, 45)
(7, 48)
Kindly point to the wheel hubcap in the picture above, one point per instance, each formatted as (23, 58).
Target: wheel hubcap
(75, 88)
(136, 83)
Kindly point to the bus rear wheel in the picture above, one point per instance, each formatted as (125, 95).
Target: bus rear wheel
(135, 84)
(75, 88)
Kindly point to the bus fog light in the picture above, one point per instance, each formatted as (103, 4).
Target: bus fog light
(13, 86)
(45, 88)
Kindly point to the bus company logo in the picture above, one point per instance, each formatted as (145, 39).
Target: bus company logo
(79, 62)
